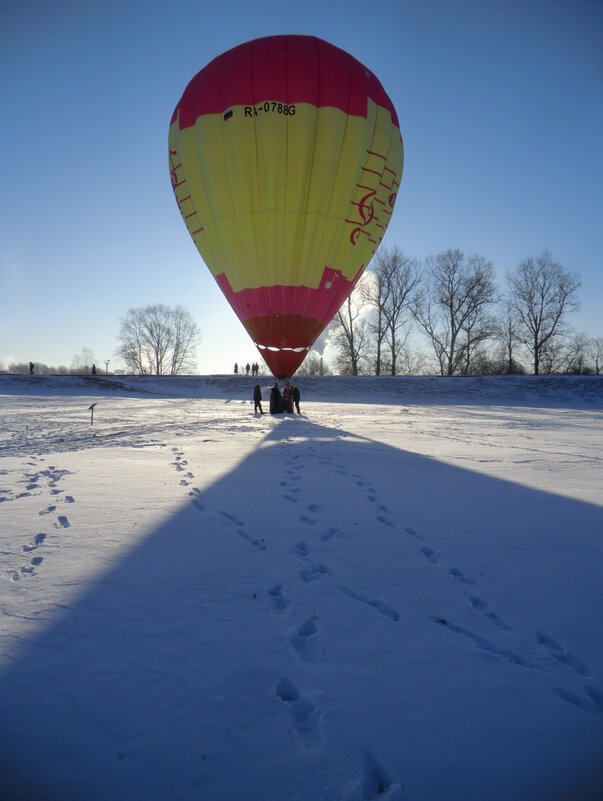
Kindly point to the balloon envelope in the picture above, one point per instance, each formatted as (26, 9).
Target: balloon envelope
(285, 159)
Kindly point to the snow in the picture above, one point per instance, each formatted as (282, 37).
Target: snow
(395, 595)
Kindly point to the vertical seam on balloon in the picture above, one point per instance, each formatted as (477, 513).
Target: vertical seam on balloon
(312, 310)
(317, 107)
(235, 216)
(220, 261)
(285, 215)
(345, 135)
(311, 160)
(207, 194)
(225, 157)
(257, 224)
(277, 265)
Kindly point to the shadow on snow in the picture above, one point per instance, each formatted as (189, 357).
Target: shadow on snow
(159, 680)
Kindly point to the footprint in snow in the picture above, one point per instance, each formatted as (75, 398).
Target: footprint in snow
(309, 521)
(432, 555)
(38, 540)
(413, 533)
(573, 699)
(25, 572)
(62, 522)
(278, 598)
(330, 532)
(232, 519)
(458, 574)
(304, 716)
(302, 548)
(595, 696)
(375, 783)
(195, 494)
(69, 499)
(288, 497)
(313, 571)
(259, 544)
(304, 640)
(48, 510)
(482, 606)
(561, 654)
(386, 521)
(381, 607)
(483, 644)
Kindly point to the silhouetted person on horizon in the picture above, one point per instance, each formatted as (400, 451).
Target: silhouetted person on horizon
(31, 368)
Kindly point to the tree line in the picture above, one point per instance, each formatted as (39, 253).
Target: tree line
(447, 315)
(444, 315)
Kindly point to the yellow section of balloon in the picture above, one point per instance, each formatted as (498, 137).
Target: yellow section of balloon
(272, 197)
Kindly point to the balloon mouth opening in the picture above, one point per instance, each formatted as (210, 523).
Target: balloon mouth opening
(304, 348)
(283, 362)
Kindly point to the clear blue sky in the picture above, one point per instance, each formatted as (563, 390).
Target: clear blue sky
(500, 105)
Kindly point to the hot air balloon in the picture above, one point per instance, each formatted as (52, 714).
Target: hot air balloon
(285, 158)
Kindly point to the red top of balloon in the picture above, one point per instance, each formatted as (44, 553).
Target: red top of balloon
(262, 69)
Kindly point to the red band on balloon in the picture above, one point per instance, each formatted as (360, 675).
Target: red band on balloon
(320, 304)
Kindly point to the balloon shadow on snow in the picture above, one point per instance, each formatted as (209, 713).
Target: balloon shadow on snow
(161, 672)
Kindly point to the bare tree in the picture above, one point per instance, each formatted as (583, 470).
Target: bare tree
(553, 356)
(576, 355)
(595, 352)
(375, 292)
(403, 280)
(185, 335)
(158, 340)
(453, 310)
(543, 294)
(392, 293)
(478, 326)
(350, 334)
(508, 338)
(82, 362)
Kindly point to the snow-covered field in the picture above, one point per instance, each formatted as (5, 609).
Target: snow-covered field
(396, 595)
